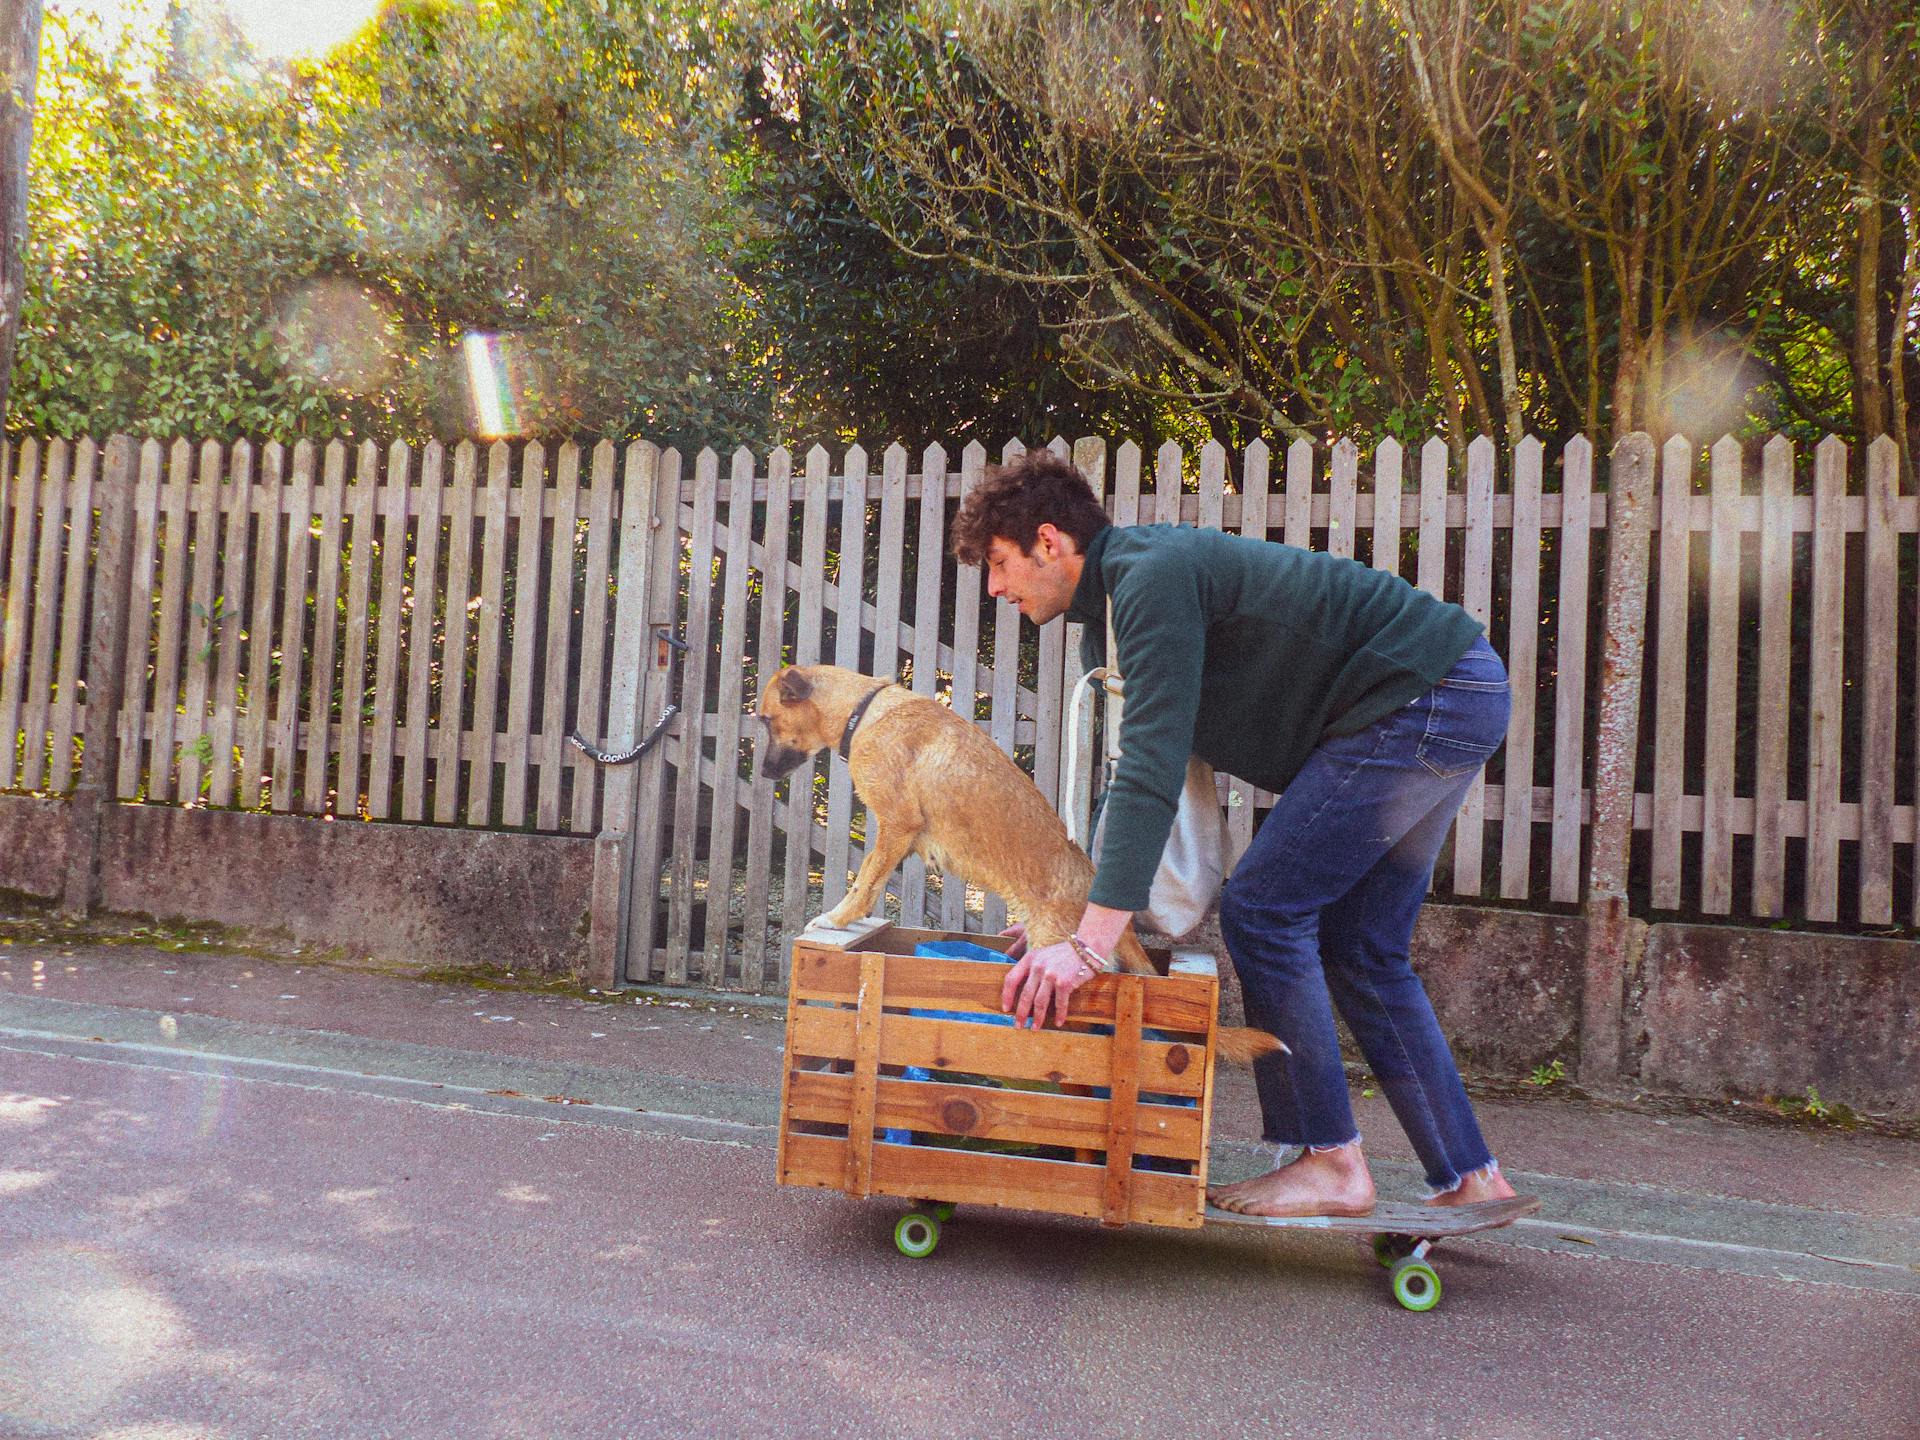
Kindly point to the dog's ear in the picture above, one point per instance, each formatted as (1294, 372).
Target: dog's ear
(793, 686)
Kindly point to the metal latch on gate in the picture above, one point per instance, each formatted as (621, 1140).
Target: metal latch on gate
(664, 636)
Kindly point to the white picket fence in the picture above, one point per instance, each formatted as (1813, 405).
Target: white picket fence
(408, 634)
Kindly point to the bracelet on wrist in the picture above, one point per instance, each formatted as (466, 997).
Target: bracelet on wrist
(1089, 956)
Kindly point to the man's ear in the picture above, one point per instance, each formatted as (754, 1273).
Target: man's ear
(1049, 541)
(793, 686)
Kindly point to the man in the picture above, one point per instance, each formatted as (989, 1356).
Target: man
(1367, 706)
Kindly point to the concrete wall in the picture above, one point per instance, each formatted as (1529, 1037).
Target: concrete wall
(1713, 1011)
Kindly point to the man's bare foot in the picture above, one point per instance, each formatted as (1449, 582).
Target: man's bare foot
(1324, 1182)
(1476, 1189)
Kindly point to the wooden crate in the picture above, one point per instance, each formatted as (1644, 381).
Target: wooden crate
(851, 1030)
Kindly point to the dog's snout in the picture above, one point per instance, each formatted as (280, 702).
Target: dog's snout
(779, 761)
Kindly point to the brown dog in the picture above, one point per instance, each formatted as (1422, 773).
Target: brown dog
(940, 788)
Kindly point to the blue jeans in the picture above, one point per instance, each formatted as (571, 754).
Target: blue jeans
(1320, 912)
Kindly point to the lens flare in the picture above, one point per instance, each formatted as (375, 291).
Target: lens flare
(337, 334)
(495, 383)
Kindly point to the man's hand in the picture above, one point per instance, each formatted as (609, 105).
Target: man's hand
(1042, 981)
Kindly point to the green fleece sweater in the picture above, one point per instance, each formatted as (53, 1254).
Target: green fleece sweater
(1246, 653)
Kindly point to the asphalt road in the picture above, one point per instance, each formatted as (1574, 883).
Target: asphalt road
(223, 1229)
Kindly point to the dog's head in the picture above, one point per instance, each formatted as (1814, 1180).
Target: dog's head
(795, 727)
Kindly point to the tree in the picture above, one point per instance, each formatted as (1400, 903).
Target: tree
(20, 69)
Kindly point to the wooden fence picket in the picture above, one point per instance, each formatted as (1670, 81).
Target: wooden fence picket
(589, 715)
(1773, 699)
(552, 751)
(1723, 677)
(809, 623)
(1880, 654)
(316, 798)
(692, 747)
(929, 564)
(1469, 831)
(966, 652)
(1570, 666)
(849, 592)
(523, 621)
(1343, 500)
(453, 655)
(361, 504)
(1299, 512)
(1523, 650)
(1430, 568)
(293, 630)
(1825, 696)
(768, 656)
(229, 641)
(488, 624)
(724, 826)
(173, 618)
(264, 502)
(1386, 506)
(73, 610)
(1254, 510)
(1670, 679)
(25, 494)
(430, 599)
(394, 502)
(46, 594)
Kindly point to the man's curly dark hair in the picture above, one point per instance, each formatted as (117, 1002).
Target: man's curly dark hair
(1014, 501)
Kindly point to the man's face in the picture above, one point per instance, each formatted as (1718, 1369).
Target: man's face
(1040, 581)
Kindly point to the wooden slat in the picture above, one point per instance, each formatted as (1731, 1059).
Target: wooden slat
(726, 752)
(589, 708)
(488, 625)
(866, 1073)
(1825, 698)
(525, 627)
(73, 607)
(1174, 1004)
(1004, 698)
(1774, 692)
(1881, 655)
(1167, 486)
(14, 641)
(1469, 834)
(362, 503)
(966, 648)
(37, 701)
(1123, 1088)
(428, 594)
(177, 502)
(1063, 1057)
(798, 811)
(1075, 801)
(1342, 499)
(1386, 506)
(639, 677)
(1012, 1182)
(293, 629)
(1430, 569)
(1670, 675)
(980, 1112)
(133, 705)
(202, 627)
(230, 635)
(1723, 660)
(1254, 488)
(848, 592)
(890, 572)
(1523, 650)
(552, 749)
(255, 758)
(453, 656)
(1126, 484)
(326, 633)
(766, 663)
(387, 695)
(929, 562)
(1570, 667)
(1049, 697)
(690, 751)
(1299, 512)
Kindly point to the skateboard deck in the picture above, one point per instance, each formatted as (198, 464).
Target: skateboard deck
(1431, 1222)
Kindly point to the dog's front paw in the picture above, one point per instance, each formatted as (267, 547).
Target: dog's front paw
(833, 920)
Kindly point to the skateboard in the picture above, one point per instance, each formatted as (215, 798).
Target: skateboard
(1403, 1235)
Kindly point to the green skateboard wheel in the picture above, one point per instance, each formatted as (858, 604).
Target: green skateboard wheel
(916, 1234)
(1390, 1248)
(1415, 1285)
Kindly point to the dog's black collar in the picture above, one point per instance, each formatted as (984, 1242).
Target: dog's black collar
(853, 722)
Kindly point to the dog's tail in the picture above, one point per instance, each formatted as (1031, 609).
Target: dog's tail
(1242, 1044)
